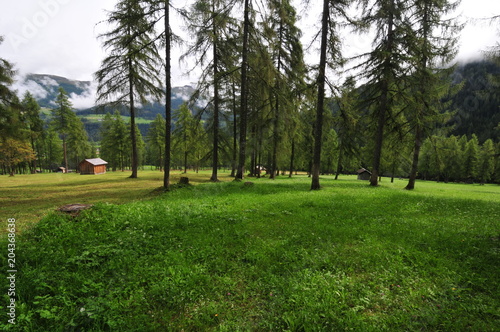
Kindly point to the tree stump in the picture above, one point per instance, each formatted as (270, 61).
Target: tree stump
(74, 209)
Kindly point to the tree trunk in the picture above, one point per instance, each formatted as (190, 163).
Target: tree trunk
(292, 157)
(318, 127)
(65, 150)
(168, 101)
(185, 161)
(254, 152)
(33, 164)
(339, 163)
(419, 129)
(235, 135)
(384, 100)
(133, 134)
(414, 164)
(393, 171)
(277, 105)
(215, 153)
(244, 101)
(274, 158)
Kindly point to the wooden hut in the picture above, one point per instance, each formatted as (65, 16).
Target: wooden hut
(60, 170)
(92, 166)
(364, 174)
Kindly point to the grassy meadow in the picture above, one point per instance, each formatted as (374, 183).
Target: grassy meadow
(28, 198)
(272, 256)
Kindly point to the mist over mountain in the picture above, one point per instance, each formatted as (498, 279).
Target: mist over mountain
(82, 94)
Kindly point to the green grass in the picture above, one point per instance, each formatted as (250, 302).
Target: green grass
(28, 198)
(269, 257)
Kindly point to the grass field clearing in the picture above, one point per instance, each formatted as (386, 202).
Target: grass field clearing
(273, 256)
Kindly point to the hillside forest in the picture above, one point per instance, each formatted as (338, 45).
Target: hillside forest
(403, 109)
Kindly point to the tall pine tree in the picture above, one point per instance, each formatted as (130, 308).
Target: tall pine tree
(129, 74)
(431, 42)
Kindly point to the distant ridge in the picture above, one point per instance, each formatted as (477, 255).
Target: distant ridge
(44, 88)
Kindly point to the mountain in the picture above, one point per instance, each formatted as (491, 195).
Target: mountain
(82, 94)
(478, 102)
(44, 89)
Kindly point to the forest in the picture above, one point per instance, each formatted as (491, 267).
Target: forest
(403, 109)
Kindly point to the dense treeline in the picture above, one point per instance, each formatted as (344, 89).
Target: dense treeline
(30, 144)
(259, 105)
(477, 102)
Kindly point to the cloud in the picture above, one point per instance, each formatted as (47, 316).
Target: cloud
(49, 81)
(86, 99)
(182, 95)
(38, 91)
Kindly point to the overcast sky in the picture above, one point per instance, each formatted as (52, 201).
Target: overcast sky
(59, 36)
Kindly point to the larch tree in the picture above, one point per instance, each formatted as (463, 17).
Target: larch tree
(10, 121)
(486, 165)
(159, 10)
(168, 92)
(31, 117)
(240, 172)
(78, 143)
(62, 120)
(156, 140)
(471, 159)
(385, 66)
(186, 133)
(330, 56)
(431, 43)
(129, 74)
(285, 47)
(212, 26)
(346, 122)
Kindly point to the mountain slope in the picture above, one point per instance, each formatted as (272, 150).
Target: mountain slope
(82, 94)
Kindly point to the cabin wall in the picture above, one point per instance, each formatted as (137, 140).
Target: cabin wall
(88, 168)
(364, 176)
(99, 169)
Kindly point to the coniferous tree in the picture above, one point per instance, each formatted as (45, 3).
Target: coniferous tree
(431, 38)
(385, 67)
(31, 115)
(78, 143)
(10, 122)
(486, 165)
(318, 125)
(244, 92)
(63, 118)
(129, 75)
(496, 172)
(452, 159)
(187, 134)
(52, 149)
(156, 141)
(471, 159)
(347, 124)
(168, 91)
(330, 56)
(283, 38)
(106, 150)
(212, 26)
(115, 142)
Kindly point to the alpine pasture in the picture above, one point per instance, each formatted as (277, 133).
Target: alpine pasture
(273, 256)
